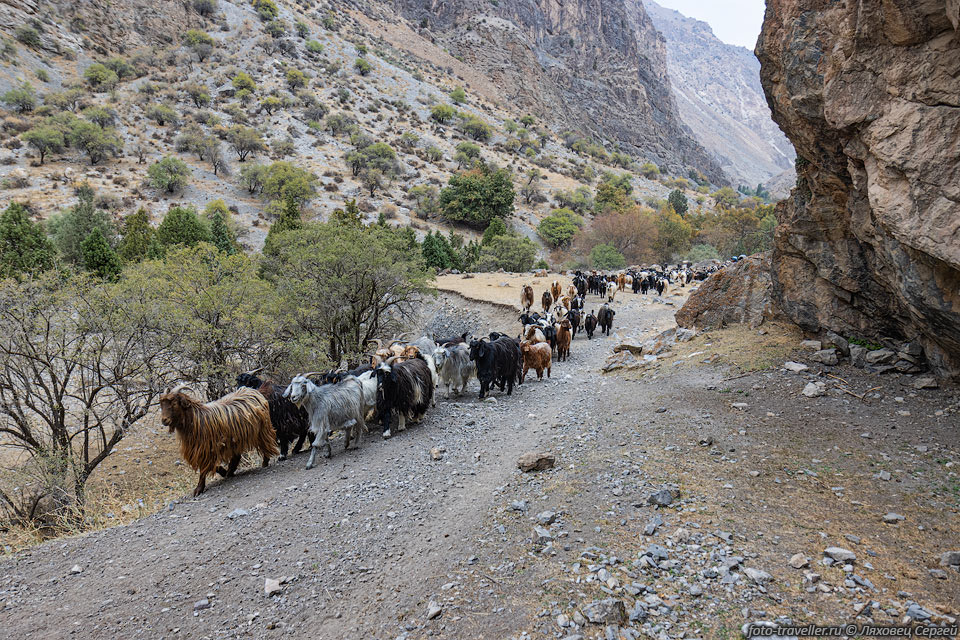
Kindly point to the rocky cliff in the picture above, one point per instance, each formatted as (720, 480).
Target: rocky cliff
(595, 65)
(717, 90)
(869, 242)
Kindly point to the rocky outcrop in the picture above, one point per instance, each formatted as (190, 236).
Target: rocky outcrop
(717, 90)
(597, 66)
(737, 294)
(869, 242)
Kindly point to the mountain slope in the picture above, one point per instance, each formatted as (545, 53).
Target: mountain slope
(718, 94)
(596, 66)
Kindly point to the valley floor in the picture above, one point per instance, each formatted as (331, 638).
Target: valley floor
(386, 542)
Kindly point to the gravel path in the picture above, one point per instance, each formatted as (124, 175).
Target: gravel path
(387, 542)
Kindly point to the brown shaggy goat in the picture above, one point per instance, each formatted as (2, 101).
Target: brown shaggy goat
(563, 340)
(526, 297)
(219, 432)
(545, 301)
(536, 356)
(555, 289)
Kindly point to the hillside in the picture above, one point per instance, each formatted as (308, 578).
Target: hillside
(717, 90)
(51, 45)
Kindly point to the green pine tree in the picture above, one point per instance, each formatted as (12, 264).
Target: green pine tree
(222, 238)
(349, 215)
(155, 249)
(433, 254)
(24, 247)
(497, 227)
(290, 219)
(183, 226)
(99, 258)
(137, 236)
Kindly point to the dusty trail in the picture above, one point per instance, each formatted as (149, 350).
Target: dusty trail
(361, 539)
(368, 540)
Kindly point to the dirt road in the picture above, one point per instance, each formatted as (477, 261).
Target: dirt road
(385, 542)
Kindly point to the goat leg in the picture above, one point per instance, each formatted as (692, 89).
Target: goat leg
(296, 449)
(202, 484)
(284, 444)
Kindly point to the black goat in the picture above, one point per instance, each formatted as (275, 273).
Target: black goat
(574, 316)
(405, 387)
(290, 422)
(590, 324)
(443, 342)
(605, 319)
(498, 362)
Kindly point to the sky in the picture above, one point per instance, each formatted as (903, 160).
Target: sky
(733, 21)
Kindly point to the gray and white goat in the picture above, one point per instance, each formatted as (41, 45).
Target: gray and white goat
(329, 407)
(454, 366)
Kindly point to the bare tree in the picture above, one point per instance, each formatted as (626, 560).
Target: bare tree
(79, 366)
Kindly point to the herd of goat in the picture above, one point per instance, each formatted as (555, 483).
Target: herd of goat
(399, 379)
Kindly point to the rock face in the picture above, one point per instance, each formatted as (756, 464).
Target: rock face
(717, 90)
(739, 293)
(869, 241)
(595, 65)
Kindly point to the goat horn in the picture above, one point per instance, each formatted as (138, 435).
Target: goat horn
(183, 385)
(257, 370)
(378, 342)
(312, 373)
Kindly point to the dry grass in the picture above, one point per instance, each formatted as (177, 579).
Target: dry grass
(140, 478)
(500, 288)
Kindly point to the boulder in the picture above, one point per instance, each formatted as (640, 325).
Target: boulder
(825, 356)
(737, 294)
(536, 461)
(858, 356)
(881, 356)
(814, 389)
(607, 611)
(839, 554)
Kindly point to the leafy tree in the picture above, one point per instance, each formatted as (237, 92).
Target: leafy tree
(497, 227)
(45, 139)
(442, 113)
(678, 201)
(137, 234)
(701, 252)
(314, 47)
(425, 196)
(69, 228)
(434, 254)
(477, 128)
(508, 252)
(613, 194)
(196, 36)
(290, 219)
(378, 155)
(606, 257)
(198, 94)
(162, 114)
(99, 76)
(362, 66)
(283, 180)
(296, 79)
(243, 81)
(99, 258)
(24, 247)
(94, 140)
(528, 120)
(271, 104)
(458, 95)
(466, 154)
(475, 197)
(22, 98)
(266, 9)
(649, 170)
(245, 141)
(182, 226)
(169, 174)
(302, 28)
(371, 273)
(348, 216)
(103, 116)
(726, 197)
(216, 311)
(120, 66)
(673, 234)
(205, 8)
(579, 200)
(559, 228)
